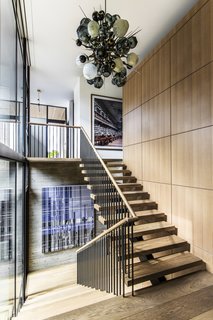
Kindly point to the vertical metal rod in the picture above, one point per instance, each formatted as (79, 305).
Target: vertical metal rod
(129, 243)
(123, 255)
(132, 249)
(120, 254)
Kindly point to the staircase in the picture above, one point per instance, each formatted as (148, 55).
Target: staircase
(156, 252)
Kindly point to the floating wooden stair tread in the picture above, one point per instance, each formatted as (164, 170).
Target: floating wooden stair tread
(148, 228)
(91, 166)
(136, 195)
(153, 269)
(125, 178)
(159, 244)
(100, 177)
(138, 205)
(110, 206)
(100, 187)
(124, 172)
(103, 196)
(116, 165)
(130, 186)
(147, 216)
(112, 160)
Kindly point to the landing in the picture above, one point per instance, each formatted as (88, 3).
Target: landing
(185, 298)
(54, 291)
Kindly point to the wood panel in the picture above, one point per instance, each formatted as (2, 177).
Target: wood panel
(192, 101)
(192, 46)
(156, 73)
(133, 159)
(156, 162)
(177, 106)
(156, 117)
(192, 158)
(161, 193)
(192, 214)
(132, 92)
(132, 127)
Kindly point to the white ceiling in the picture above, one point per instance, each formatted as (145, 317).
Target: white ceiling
(52, 28)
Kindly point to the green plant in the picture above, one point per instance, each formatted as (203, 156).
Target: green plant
(53, 154)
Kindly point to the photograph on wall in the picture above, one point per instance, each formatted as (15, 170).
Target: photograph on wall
(67, 217)
(106, 122)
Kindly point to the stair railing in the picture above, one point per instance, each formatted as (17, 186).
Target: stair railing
(109, 199)
(106, 262)
(52, 140)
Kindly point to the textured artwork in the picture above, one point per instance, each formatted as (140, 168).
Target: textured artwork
(67, 217)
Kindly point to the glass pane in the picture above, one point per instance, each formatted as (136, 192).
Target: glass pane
(20, 140)
(19, 237)
(38, 113)
(55, 113)
(7, 237)
(7, 74)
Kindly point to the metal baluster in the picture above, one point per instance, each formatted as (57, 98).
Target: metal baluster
(132, 259)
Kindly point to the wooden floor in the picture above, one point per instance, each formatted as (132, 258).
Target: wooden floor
(54, 291)
(189, 297)
(54, 295)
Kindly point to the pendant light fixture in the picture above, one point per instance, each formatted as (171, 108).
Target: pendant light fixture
(105, 35)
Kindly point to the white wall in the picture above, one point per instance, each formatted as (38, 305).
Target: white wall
(82, 105)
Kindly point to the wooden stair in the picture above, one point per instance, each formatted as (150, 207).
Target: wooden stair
(116, 165)
(153, 227)
(130, 186)
(147, 247)
(157, 268)
(136, 195)
(155, 242)
(137, 205)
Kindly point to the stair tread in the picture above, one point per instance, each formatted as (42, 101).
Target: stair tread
(152, 226)
(114, 165)
(124, 177)
(140, 201)
(157, 268)
(136, 202)
(129, 184)
(112, 160)
(158, 244)
(120, 171)
(133, 192)
(148, 212)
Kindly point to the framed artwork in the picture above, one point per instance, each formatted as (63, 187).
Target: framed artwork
(106, 122)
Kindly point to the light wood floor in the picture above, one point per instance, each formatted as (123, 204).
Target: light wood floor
(186, 298)
(54, 291)
(54, 295)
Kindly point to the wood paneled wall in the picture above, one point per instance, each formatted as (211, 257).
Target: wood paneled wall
(168, 127)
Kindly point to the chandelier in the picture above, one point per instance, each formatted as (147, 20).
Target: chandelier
(106, 36)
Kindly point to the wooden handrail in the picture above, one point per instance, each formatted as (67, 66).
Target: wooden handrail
(125, 220)
(110, 175)
(104, 233)
(53, 125)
